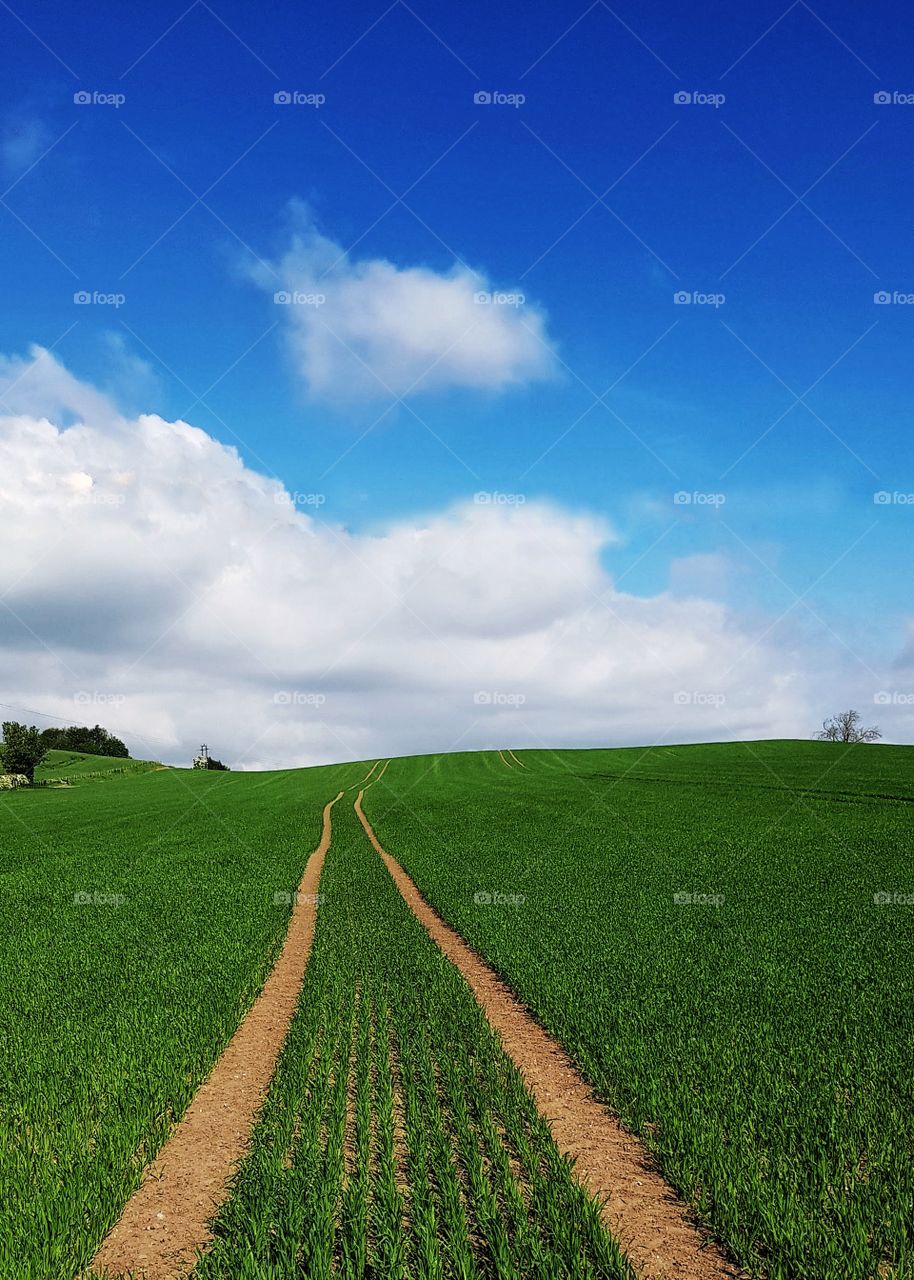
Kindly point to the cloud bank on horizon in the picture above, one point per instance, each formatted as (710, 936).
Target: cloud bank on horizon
(363, 329)
(157, 584)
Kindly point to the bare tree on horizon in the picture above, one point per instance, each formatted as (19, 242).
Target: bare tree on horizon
(845, 727)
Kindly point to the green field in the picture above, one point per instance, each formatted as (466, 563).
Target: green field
(77, 766)
(721, 936)
(759, 1036)
(398, 1139)
(145, 922)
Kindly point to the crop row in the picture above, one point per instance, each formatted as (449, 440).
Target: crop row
(145, 916)
(718, 936)
(397, 1139)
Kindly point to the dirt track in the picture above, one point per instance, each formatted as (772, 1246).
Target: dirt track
(167, 1218)
(641, 1211)
(166, 1221)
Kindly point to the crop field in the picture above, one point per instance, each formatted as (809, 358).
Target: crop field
(143, 923)
(397, 1139)
(720, 937)
(77, 766)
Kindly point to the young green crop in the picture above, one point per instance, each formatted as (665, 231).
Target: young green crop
(420, 1154)
(73, 766)
(143, 916)
(721, 936)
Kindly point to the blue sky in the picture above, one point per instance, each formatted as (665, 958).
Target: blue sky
(599, 198)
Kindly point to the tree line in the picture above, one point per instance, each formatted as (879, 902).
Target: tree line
(25, 746)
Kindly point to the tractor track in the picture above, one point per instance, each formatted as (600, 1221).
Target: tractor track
(639, 1208)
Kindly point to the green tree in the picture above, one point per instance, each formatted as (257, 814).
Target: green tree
(93, 742)
(21, 750)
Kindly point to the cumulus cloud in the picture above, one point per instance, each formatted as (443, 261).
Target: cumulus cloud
(151, 581)
(131, 379)
(367, 329)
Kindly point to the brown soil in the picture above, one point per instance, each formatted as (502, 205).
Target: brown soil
(350, 1161)
(365, 779)
(373, 780)
(640, 1210)
(401, 1150)
(166, 1221)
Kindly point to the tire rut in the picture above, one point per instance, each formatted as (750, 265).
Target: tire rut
(165, 1223)
(642, 1212)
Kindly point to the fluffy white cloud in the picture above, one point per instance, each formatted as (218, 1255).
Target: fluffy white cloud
(151, 581)
(367, 329)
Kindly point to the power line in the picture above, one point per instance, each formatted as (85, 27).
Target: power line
(47, 715)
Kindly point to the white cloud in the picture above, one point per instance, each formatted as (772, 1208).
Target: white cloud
(368, 329)
(151, 581)
(131, 379)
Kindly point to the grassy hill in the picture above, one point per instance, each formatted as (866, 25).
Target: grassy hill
(76, 766)
(720, 935)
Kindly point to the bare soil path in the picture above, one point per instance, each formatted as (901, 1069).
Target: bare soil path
(640, 1210)
(166, 1220)
(367, 776)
